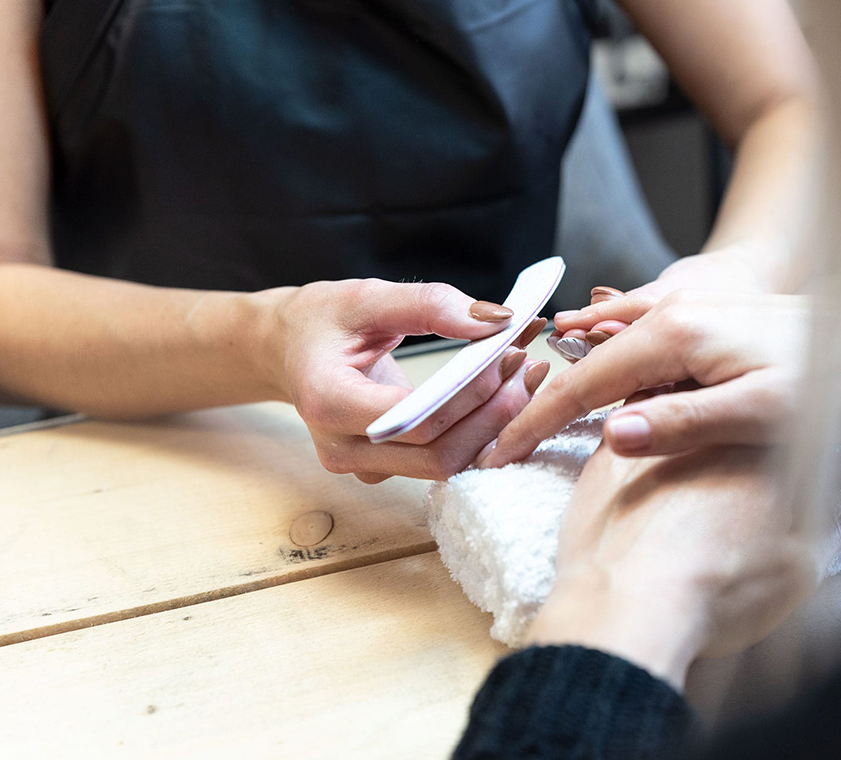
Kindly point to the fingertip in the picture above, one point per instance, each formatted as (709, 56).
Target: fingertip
(535, 375)
(535, 327)
(604, 293)
(609, 327)
(485, 311)
(371, 478)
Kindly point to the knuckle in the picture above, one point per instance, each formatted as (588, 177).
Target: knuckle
(432, 297)
(366, 290)
(683, 421)
(485, 385)
(678, 320)
(508, 409)
(429, 430)
(443, 463)
(313, 407)
(681, 297)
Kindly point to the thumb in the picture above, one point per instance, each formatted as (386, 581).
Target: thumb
(748, 410)
(424, 308)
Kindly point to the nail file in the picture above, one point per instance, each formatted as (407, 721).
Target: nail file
(531, 291)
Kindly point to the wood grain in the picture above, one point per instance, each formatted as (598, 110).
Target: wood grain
(376, 662)
(106, 521)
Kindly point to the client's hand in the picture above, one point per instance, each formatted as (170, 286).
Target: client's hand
(721, 271)
(731, 361)
(665, 559)
(327, 346)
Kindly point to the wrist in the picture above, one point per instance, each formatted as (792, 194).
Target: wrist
(660, 632)
(230, 327)
(266, 332)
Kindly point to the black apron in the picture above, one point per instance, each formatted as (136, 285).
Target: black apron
(244, 144)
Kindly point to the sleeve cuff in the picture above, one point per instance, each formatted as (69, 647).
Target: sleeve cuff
(570, 701)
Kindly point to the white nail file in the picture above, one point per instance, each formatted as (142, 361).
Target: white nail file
(530, 293)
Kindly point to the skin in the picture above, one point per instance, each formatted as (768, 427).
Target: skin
(732, 366)
(147, 351)
(664, 560)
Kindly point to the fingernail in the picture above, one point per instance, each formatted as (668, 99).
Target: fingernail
(572, 349)
(485, 453)
(511, 363)
(485, 311)
(597, 337)
(630, 432)
(535, 375)
(565, 314)
(531, 332)
(604, 293)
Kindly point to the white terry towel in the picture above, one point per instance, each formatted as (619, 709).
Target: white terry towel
(500, 546)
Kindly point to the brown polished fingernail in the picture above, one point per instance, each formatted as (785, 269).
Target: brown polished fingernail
(597, 337)
(511, 363)
(604, 293)
(531, 332)
(535, 375)
(485, 311)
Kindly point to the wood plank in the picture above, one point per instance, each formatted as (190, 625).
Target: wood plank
(376, 662)
(104, 521)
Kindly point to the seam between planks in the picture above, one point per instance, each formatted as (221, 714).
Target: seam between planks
(304, 573)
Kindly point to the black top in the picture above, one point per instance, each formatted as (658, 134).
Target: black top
(575, 703)
(248, 144)
(572, 702)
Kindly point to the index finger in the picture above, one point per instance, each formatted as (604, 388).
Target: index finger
(626, 309)
(628, 362)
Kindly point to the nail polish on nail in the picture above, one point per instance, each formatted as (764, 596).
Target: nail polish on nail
(572, 349)
(597, 337)
(511, 363)
(630, 432)
(604, 293)
(535, 375)
(485, 311)
(531, 332)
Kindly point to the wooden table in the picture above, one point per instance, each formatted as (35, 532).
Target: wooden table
(153, 603)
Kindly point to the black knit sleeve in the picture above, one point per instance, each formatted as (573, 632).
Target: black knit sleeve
(573, 702)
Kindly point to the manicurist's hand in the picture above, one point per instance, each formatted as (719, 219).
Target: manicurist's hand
(326, 347)
(732, 362)
(663, 560)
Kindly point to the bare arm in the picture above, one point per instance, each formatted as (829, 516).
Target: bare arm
(82, 342)
(123, 350)
(747, 66)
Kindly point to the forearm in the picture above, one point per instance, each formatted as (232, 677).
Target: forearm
(118, 349)
(762, 230)
(773, 195)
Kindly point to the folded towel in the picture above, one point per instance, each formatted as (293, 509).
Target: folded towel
(497, 530)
